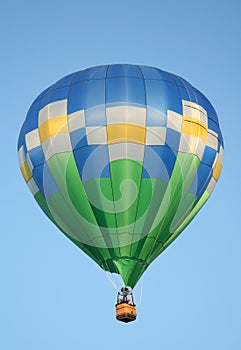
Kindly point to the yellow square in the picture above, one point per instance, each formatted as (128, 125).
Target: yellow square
(217, 170)
(195, 128)
(52, 127)
(126, 133)
(25, 171)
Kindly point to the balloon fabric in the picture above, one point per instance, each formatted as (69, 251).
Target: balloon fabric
(121, 158)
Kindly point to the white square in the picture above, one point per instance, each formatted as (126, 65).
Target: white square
(212, 141)
(210, 131)
(174, 121)
(32, 139)
(215, 161)
(221, 154)
(126, 114)
(96, 135)
(21, 155)
(194, 110)
(43, 115)
(155, 135)
(52, 110)
(58, 144)
(32, 186)
(211, 185)
(126, 150)
(58, 109)
(192, 145)
(76, 120)
(29, 162)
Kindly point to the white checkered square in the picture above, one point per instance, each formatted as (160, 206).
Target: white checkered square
(33, 186)
(192, 144)
(29, 162)
(174, 121)
(212, 141)
(58, 144)
(52, 110)
(194, 110)
(211, 185)
(96, 135)
(155, 135)
(126, 150)
(76, 120)
(215, 161)
(21, 155)
(221, 154)
(32, 139)
(126, 114)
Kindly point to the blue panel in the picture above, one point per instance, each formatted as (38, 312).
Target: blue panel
(50, 186)
(155, 117)
(44, 180)
(201, 180)
(98, 72)
(209, 156)
(91, 161)
(21, 138)
(58, 94)
(43, 94)
(106, 171)
(221, 138)
(78, 138)
(162, 96)
(95, 116)
(213, 126)
(38, 177)
(31, 121)
(124, 70)
(203, 101)
(86, 94)
(173, 139)
(125, 91)
(186, 90)
(36, 156)
(184, 94)
(158, 162)
(157, 74)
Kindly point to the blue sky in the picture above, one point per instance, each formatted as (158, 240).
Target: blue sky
(52, 296)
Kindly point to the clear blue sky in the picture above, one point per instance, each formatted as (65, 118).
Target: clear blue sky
(52, 296)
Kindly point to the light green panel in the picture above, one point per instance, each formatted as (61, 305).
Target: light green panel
(93, 253)
(80, 226)
(182, 176)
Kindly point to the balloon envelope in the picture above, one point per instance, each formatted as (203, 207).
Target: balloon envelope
(121, 158)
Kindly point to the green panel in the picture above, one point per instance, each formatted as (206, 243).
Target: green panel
(125, 181)
(151, 194)
(92, 252)
(99, 193)
(189, 218)
(147, 213)
(43, 204)
(130, 270)
(72, 204)
(184, 172)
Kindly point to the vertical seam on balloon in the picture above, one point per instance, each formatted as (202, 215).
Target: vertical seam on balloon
(112, 191)
(165, 227)
(138, 201)
(85, 245)
(147, 236)
(157, 235)
(112, 254)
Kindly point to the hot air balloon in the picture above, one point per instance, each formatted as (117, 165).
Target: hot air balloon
(121, 158)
